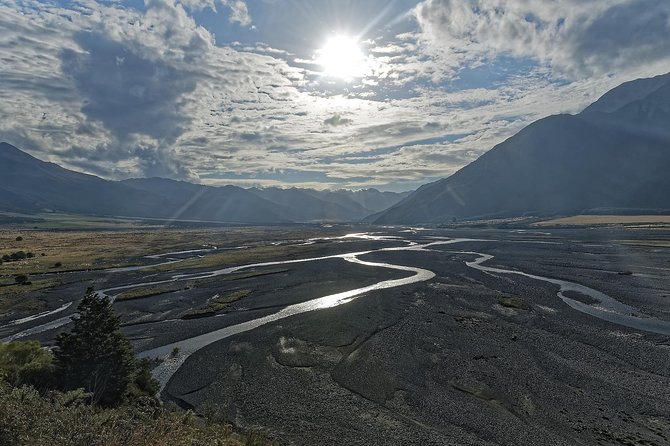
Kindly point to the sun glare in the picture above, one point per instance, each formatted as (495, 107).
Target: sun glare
(342, 58)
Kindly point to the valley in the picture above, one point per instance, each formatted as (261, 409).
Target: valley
(401, 334)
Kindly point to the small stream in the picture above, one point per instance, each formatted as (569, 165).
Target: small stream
(607, 308)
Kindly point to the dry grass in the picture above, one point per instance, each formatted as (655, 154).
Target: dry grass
(16, 297)
(8, 287)
(82, 250)
(245, 256)
(217, 303)
(141, 292)
(249, 275)
(512, 302)
(584, 220)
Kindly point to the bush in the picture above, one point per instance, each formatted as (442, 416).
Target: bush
(512, 302)
(21, 279)
(143, 385)
(18, 255)
(65, 419)
(27, 363)
(19, 239)
(58, 265)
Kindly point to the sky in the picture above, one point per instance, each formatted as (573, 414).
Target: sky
(306, 93)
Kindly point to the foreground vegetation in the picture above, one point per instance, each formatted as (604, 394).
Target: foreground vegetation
(28, 418)
(92, 391)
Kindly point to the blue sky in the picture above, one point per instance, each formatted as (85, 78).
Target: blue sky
(307, 93)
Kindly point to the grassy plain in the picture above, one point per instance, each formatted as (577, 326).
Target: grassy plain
(81, 245)
(587, 220)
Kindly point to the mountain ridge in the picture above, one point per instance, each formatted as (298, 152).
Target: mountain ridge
(30, 184)
(615, 154)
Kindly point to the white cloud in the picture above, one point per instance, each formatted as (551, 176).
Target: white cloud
(239, 13)
(578, 38)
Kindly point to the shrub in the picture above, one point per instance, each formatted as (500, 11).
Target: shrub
(144, 385)
(58, 265)
(512, 302)
(65, 419)
(16, 256)
(27, 363)
(21, 279)
(19, 239)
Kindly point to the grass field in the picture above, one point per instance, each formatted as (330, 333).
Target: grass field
(141, 292)
(92, 248)
(587, 220)
(83, 250)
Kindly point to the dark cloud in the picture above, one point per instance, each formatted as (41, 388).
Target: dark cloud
(128, 94)
(150, 160)
(626, 35)
(337, 120)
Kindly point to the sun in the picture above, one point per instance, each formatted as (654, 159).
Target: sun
(341, 58)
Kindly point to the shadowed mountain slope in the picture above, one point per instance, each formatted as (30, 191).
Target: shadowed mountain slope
(613, 156)
(33, 185)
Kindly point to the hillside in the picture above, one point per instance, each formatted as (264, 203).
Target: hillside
(615, 155)
(32, 185)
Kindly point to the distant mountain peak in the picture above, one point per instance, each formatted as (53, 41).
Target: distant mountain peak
(627, 93)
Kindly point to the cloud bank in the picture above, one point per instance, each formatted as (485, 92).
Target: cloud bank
(154, 91)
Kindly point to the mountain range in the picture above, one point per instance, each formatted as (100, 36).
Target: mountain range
(31, 185)
(613, 157)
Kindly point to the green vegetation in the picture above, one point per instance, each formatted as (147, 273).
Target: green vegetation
(21, 279)
(251, 274)
(28, 418)
(16, 301)
(13, 296)
(216, 304)
(512, 302)
(27, 364)
(16, 256)
(254, 254)
(140, 292)
(93, 392)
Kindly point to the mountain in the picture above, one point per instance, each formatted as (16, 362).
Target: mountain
(29, 184)
(338, 205)
(614, 156)
(372, 200)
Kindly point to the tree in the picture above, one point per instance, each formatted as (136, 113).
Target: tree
(95, 355)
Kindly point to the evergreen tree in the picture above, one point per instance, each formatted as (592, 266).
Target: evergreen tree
(95, 355)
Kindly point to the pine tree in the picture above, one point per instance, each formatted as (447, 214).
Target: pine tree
(95, 355)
